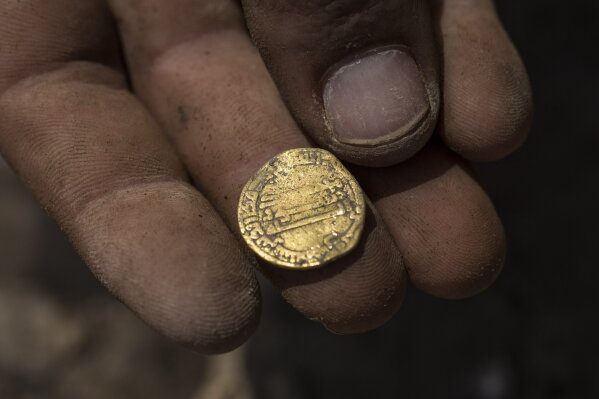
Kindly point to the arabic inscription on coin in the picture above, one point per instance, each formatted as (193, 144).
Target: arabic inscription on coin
(302, 209)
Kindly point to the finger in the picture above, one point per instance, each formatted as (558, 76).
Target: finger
(487, 101)
(212, 93)
(361, 77)
(98, 163)
(445, 225)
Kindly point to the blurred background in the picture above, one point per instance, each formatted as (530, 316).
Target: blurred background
(534, 334)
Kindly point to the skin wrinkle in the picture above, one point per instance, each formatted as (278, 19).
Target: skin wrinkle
(299, 67)
(106, 263)
(444, 242)
(229, 119)
(252, 125)
(53, 42)
(151, 21)
(350, 306)
(108, 147)
(443, 223)
(187, 310)
(66, 145)
(484, 76)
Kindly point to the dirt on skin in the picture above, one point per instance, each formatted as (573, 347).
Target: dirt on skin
(532, 335)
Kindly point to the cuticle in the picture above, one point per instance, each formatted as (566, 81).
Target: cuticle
(352, 59)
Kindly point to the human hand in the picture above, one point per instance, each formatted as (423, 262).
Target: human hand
(145, 181)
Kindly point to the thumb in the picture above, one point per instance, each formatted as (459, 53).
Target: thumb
(360, 77)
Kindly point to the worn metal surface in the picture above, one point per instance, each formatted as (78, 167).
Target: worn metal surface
(302, 209)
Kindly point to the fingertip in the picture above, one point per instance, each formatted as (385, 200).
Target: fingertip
(354, 294)
(364, 319)
(471, 267)
(445, 225)
(465, 240)
(487, 97)
(345, 313)
(162, 250)
(488, 116)
(202, 332)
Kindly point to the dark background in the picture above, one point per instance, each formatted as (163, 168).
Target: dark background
(534, 334)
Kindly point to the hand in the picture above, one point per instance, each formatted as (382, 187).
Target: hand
(146, 184)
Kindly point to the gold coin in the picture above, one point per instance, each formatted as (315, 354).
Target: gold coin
(301, 210)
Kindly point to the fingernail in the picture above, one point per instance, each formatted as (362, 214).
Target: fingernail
(376, 97)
